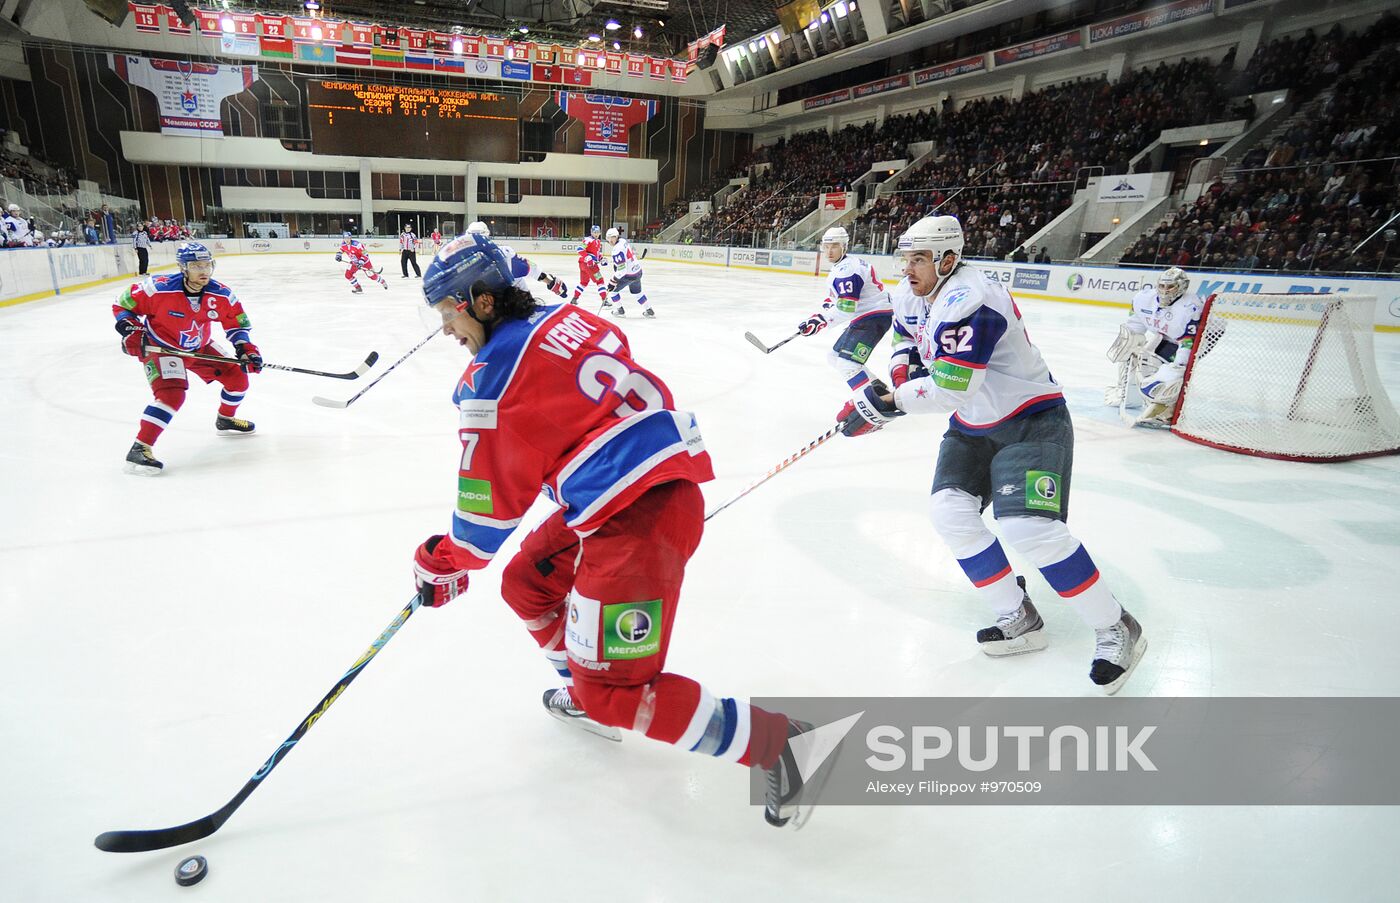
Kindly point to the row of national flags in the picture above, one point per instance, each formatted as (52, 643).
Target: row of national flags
(272, 36)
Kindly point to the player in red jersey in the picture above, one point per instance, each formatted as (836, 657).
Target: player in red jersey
(590, 261)
(554, 401)
(177, 312)
(354, 253)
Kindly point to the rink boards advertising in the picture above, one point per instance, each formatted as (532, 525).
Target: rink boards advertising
(368, 119)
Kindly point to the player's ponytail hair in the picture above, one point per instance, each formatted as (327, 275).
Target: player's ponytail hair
(512, 303)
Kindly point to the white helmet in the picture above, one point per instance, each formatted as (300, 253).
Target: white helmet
(479, 228)
(1171, 285)
(613, 235)
(13, 208)
(38, 236)
(939, 235)
(836, 235)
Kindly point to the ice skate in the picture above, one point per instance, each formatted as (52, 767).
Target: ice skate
(1016, 633)
(1117, 650)
(789, 799)
(233, 426)
(618, 310)
(649, 312)
(356, 290)
(1156, 416)
(560, 704)
(142, 461)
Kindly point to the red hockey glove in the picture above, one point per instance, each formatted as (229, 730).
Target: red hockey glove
(554, 284)
(812, 325)
(249, 355)
(906, 365)
(438, 582)
(868, 411)
(133, 336)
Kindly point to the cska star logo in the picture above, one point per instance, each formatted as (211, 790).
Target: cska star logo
(189, 100)
(469, 378)
(191, 338)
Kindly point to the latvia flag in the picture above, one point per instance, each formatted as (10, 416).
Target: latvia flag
(352, 55)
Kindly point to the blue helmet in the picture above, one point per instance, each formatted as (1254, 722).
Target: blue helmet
(345, 234)
(191, 251)
(461, 264)
(595, 231)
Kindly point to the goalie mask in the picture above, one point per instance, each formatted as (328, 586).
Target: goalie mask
(1171, 285)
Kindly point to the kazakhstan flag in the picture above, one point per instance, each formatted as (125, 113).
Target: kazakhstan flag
(316, 53)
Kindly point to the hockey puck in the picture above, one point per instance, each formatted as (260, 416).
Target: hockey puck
(191, 871)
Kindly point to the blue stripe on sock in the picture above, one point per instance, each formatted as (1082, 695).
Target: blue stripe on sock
(731, 724)
(163, 416)
(1071, 574)
(986, 564)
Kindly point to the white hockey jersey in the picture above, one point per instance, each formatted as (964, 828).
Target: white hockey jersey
(525, 272)
(981, 363)
(624, 262)
(17, 231)
(1176, 324)
(853, 290)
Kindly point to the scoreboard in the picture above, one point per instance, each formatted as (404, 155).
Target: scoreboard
(366, 119)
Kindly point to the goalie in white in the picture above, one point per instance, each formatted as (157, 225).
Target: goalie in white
(1155, 345)
(857, 297)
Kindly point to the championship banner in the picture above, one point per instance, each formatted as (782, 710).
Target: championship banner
(208, 21)
(606, 119)
(636, 65)
(275, 26)
(1152, 18)
(657, 68)
(614, 62)
(679, 70)
(1032, 49)
(834, 200)
(948, 70)
(826, 100)
(188, 94)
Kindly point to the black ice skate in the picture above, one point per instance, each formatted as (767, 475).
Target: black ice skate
(649, 312)
(142, 461)
(618, 310)
(560, 704)
(1019, 632)
(1117, 650)
(356, 290)
(232, 426)
(789, 799)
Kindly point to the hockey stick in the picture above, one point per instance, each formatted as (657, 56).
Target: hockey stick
(783, 465)
(159, 839)
(332, 403)
(545, 565)
(766, 349)
(359, 371)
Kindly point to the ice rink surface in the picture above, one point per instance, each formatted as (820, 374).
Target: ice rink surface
(164, 635)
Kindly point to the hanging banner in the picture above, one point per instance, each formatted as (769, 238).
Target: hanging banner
(208, 21)
(146, 18)
(512, 69)
(1152, 18)
(547, 55)
(834, 200)
(172, 21)
(188, 94)
(1032, 49)
(893, 83)
(679, 70)
(614, 62)
(571, 75)
(606, 119)
(657, 68)
(362, 35)
(546, 73)
(239, 45)
(636, 65)
(483, 68)
(948, 70)
(826, 100)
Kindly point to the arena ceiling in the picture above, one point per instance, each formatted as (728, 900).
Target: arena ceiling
(667, 26)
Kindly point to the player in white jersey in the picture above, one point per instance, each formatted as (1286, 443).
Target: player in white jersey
(18, 228)
(1156, 344)
(960, 347)
(855, 295)
(627, 273)
(524, 270)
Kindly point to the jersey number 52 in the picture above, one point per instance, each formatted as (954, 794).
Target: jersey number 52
(955, 339)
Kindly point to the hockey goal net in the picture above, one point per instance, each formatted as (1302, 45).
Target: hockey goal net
(1288, 376)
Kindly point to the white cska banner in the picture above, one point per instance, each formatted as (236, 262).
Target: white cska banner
(188, 93)
(1124, 188)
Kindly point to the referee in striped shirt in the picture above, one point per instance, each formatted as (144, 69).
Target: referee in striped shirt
(408, 251)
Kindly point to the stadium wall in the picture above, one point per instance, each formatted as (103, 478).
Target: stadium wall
(31, 274)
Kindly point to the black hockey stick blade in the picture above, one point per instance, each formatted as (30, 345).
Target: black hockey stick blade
(768, 349)
(163, 838)
(359, 371)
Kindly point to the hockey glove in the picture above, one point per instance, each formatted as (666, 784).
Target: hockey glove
(906, 365)
(339, 258)
(554, 284)
(868, 411)
(133, 336)
(812, 325)
(438, 582)
(249, 355)
(612, 285)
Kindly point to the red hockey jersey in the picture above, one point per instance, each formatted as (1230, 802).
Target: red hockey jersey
(355, 253)
(180, 321)
(556, 402)
(590, 255)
